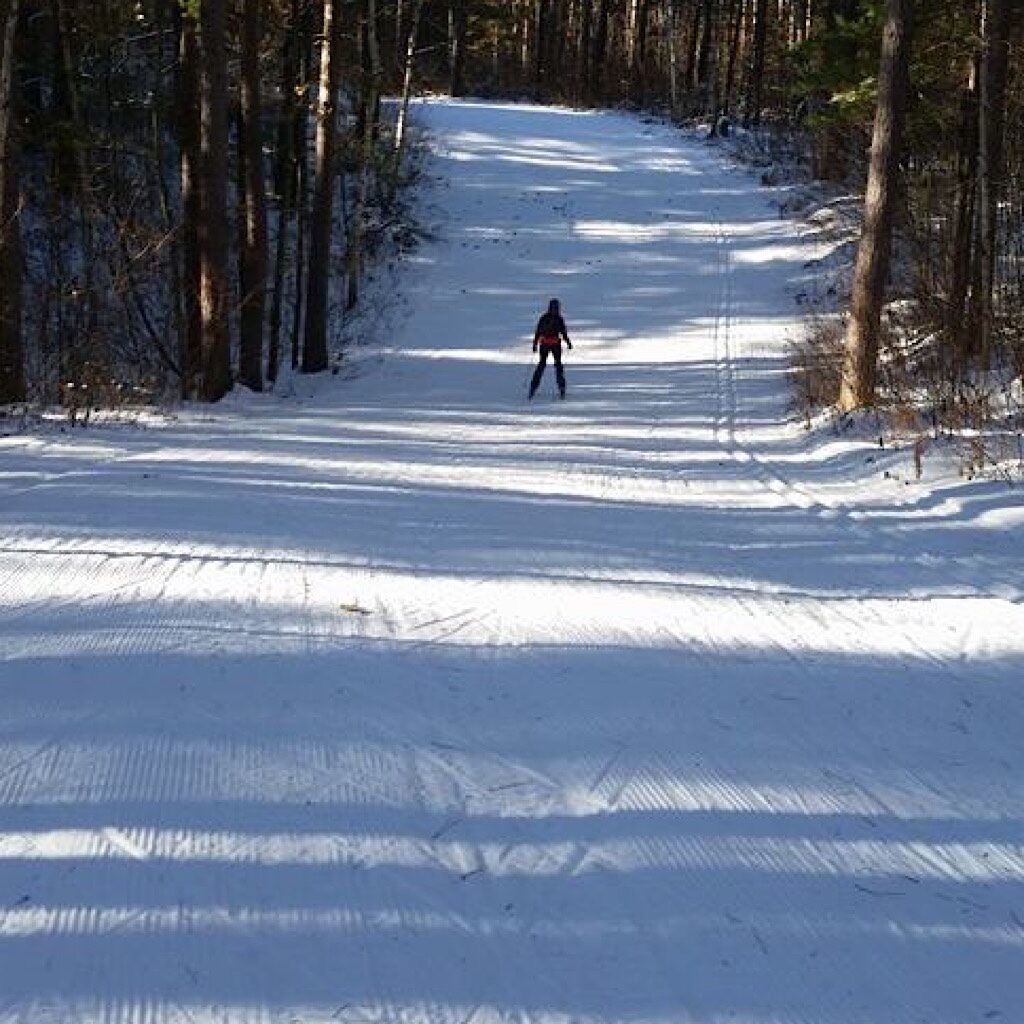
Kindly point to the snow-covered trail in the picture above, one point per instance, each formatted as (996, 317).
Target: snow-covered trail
(417, 703)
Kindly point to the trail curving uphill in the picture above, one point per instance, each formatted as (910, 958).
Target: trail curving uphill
(412, 701)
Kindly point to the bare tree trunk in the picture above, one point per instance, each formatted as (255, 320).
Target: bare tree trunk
(253, 278)
(540, 41)
(12, 354)
(734, 53)
(285, 178)
(599, 59)
(671, 41)
(190, 174)
(8, 24)
(407, 80)
(314, 349)
(301, 158)
(693, 50)
(753, 114)
(214, 294)
(991, 131)
(708, 61)
(873, 254)
(639, 52)
(583, 62)
(958, 326)
(456, 46)
(371, 100)
(12, 357)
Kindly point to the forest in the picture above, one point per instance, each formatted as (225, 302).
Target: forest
(192, 191)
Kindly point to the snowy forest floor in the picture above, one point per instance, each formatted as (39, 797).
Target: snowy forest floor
(409, 701)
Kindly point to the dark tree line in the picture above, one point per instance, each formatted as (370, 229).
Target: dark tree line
(183, 180)
(186, 185)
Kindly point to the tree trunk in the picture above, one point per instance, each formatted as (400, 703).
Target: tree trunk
(285, 182)
(991, 131)
(314, 349)
(873, 254)
(189, 145)
(12, 355)
(707, 63)
(583, 63)
(253, 277)
(407, 80)
(540, 40)
(214, 294)
(671, 28)
(958, 327)
(371, 103)
(8, 24)
(734, 53)
(753, 114)
(598, 76)
(456, 46)
(12, 360)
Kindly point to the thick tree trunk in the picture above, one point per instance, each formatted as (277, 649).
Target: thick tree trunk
(8, 24)
(189, 163)
(583, 56)
(873, 254)
(253, 277)
(12, 354)
(314, 349)
(214, 293)
(456, 46)
(540, 42)
(734, 54)
(991, 131)
(638, 72)
(285, 183)
(708, 61)
(598, 75)
(12, 360)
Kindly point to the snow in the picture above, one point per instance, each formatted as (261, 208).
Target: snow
(401, 699)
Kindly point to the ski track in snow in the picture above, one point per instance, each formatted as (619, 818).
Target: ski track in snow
(412, 702)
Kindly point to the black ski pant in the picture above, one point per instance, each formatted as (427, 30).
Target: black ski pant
(556, 353)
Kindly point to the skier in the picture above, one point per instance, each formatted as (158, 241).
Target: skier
(550, 331)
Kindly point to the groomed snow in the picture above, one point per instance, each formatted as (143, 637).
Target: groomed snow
(412, 702)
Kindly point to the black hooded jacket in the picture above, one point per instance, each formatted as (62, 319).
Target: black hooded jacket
(551, 325)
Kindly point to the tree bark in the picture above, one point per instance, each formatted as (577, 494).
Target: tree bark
(753, 117)
(370, 104)
(401, 123)
(190, 174)
(961, 261)
(457, 46)
(991, 131)
(671, 41)
(598, 76)
(583, 63)
(12, 358)
(8, 24)
(734, 52)
(285, 177)
(214, 294)
(253, 277)
(314, 348)
(12, 354)
(873, 254)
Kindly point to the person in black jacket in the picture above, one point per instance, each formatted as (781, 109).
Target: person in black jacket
(548, 338)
